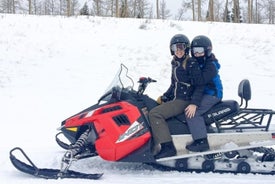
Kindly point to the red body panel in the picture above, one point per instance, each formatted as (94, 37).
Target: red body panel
(115, 141)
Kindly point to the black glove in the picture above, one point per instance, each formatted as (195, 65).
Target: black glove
(194, 70)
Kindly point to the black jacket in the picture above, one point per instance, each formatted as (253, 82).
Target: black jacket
(180, 87)
(207, 75)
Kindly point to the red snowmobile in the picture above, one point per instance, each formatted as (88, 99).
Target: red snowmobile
(117, 129)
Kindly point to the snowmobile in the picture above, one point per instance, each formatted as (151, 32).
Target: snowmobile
(116, 129)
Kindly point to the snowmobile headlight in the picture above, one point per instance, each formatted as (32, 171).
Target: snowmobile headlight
(72, 129)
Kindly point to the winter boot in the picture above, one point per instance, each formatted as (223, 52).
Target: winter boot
(167, 150)
(198, 145)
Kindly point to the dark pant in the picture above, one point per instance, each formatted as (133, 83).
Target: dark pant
(159, 114)
(196, 124)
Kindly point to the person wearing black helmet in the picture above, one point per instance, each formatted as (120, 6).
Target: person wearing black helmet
(201, 50)
(174, 101)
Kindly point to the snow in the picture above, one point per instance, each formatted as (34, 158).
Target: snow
(54, 67)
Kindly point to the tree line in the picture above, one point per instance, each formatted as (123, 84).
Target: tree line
(237, 11)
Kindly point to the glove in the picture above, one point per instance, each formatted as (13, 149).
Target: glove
(194, 71)
(162, 99)
(194, 67)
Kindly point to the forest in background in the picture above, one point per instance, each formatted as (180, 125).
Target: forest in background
(236, 11)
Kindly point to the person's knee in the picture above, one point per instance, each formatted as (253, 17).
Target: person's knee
(153, 111)
(154, 114)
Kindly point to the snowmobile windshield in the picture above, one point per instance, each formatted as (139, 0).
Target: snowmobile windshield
(120, 81)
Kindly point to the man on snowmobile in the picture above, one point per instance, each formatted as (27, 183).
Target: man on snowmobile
(201, 50)
(176, 98)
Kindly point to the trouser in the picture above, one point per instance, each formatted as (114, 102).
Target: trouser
(196, 124)
(159, 114)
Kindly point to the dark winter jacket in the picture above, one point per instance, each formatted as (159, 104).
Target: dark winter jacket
(180, 87)
(208, 76)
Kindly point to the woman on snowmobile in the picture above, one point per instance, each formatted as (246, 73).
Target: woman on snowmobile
(177, 97)
(201, 50)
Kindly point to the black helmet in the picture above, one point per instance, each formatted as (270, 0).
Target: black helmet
(202, 41)
(180, 38)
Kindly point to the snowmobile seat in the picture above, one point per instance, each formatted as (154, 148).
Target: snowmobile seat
(221, 110)
(229, 108)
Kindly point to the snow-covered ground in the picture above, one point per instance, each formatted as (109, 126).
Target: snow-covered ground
(53, 67)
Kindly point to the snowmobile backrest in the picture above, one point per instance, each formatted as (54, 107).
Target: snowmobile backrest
(244, 91)
(221, 110)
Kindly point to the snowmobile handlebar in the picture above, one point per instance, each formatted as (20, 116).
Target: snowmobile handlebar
(143, 83)
(115, 91)
(146, 80)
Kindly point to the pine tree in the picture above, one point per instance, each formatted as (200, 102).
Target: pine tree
(84, 10)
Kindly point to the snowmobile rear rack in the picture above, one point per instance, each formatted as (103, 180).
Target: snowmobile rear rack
(241, 118)
(246, 119)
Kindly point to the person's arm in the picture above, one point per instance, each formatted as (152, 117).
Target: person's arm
(204, 75)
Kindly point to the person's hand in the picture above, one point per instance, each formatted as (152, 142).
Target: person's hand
(194, 71)
(162, 99)
(190, 111)
(159, 100)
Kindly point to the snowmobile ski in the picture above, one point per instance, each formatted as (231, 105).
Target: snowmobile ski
(33, 170)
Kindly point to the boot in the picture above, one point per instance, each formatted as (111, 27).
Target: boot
(198, 145)
(167, 150)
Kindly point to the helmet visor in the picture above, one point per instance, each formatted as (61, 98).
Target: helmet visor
(178, 46)
(198, 50)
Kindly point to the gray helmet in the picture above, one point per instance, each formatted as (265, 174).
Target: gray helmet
(180, 38)
(202, 41)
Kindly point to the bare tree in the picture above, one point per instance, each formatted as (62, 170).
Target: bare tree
(11, 6)
(199, 11)
(30, 6)
(97, 8)
(236, 11)
(256, 12)
(185, 6)
(117, 8)
(210, 12)
(124, 8)
(34, 9)
(193, 10)
(164, 12)
(218, 10)
(52, 6)
(157, 8)
(226, 17)
(111, 7)
(260, 12)
(249, 11)
(68, 8)
(270, 11)
(195, 6)
(62, 7)
(139, 9)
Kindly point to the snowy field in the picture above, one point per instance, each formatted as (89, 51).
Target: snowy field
(53, 67)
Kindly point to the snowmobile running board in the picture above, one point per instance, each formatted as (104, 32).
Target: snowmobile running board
(46, 173)
(247, 152)
(223, 142)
